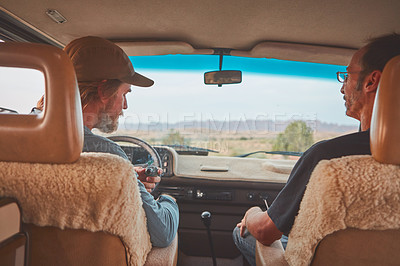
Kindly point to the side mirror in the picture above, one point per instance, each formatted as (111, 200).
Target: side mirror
(223, 77)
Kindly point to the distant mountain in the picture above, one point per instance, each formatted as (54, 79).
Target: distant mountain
(238, 126)
(331, 127)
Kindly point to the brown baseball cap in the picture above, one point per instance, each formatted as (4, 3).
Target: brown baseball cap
(97, 59)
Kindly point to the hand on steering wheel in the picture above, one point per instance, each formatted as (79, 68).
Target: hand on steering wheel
(150, 182)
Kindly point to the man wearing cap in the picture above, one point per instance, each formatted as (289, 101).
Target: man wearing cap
(105, 75)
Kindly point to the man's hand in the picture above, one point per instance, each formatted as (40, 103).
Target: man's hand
(242, 223)
(260, 226)
(148, 181)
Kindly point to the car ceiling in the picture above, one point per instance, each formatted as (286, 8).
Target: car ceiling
(308, 30)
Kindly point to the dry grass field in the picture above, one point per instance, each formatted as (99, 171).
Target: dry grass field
(226, 143)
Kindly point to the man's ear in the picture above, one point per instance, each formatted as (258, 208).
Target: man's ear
(101, 95)
(372, 81)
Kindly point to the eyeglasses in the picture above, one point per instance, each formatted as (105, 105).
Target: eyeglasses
(342, 76)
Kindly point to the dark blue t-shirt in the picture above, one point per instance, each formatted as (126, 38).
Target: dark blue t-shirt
(286, 206)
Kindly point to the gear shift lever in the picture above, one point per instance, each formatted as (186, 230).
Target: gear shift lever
(206, 218)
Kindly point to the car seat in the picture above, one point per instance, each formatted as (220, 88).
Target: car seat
(77, 209)
(350, 212)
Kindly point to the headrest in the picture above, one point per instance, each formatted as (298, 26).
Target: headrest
(57, 135)
(385, 123)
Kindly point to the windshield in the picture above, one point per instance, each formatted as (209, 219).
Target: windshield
(279, 105)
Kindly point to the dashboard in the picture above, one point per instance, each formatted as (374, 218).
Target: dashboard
(213, 179)
(224, 186)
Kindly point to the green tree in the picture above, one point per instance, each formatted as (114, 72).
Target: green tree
(296, 137)
(173, 137)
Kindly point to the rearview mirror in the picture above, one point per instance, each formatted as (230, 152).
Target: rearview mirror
(223, 77)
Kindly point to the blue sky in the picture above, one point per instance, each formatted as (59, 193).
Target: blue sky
(249, 65)
(271, 89)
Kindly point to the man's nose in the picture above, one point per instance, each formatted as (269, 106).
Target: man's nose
(342, 89)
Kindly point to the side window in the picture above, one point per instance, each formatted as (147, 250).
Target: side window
(20, 89)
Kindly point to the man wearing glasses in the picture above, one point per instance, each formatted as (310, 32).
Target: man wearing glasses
(359, 86)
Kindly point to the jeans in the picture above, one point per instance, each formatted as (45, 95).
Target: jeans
(247, 244)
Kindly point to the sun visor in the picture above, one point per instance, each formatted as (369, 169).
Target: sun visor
(160, 48)
(299, 52)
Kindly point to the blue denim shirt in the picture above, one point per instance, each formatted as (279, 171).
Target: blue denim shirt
(162, 214)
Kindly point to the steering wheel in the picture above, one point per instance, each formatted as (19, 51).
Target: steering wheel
(139, 142)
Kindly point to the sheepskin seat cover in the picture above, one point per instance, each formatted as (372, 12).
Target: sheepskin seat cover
(99, 192)
(348, 192)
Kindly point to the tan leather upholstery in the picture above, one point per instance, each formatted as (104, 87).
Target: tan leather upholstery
(13, 252)
(13, 242)
(359, 247)
(53, 246)
(385, 123)
(55, 140)
(56, 136)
